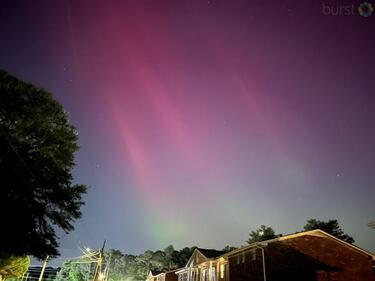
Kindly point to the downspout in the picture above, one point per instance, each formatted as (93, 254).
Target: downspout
(263, 261)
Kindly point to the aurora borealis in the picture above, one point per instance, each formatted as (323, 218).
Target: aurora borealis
(201, 120)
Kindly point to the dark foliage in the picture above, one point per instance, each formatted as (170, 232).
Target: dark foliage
(331, 226)
(261, 234)
(37, 195)
(132, 267)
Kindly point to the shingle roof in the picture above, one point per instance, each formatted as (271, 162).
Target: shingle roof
(210, 253)
(155, 272)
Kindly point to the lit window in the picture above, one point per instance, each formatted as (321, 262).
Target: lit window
(243, 258)
(222, 268)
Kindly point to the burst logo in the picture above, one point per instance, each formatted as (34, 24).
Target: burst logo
(365, 9)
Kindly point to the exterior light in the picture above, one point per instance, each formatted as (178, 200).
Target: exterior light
(101, 276)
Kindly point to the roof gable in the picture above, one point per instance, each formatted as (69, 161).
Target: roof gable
(201, 255)
(196, 258)
(315, 232)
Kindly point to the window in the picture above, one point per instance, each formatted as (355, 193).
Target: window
(213, 274)
(243, 258)
(238, 259)
(222, 269)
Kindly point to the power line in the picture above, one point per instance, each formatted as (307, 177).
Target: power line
(19, 156)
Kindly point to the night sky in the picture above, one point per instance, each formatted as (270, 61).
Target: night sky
(201, 120)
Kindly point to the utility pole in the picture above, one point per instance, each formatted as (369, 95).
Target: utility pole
(43, 268)
(98, 269)
(107, 269)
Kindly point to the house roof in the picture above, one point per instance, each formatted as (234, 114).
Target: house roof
(155, 272)
(210, 253)
(317, 232)
(173, 270)
(206, 253)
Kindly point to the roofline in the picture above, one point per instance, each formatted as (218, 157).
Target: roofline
(212, 258)
(181, 270)
(192, 254)
(174, 270)
(150, 271)
(355, 247)
(197, 249)
(243, 248)
(289, 236)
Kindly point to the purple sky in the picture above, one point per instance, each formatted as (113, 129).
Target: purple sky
(201, 120)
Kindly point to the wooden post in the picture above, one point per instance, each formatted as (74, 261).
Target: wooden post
(98, 268)
(43, 268)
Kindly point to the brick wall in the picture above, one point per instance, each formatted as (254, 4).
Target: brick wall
(303, 258)
(350, 264)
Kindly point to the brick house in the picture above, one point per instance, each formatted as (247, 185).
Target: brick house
(309, 256)
(306, 256)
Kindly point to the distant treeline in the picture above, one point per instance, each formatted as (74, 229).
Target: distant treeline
(130, 267)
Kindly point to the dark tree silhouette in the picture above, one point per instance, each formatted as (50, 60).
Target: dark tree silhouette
(37, 195)
(261, 234)
(130, 267)
(331, 226)
(229, 248)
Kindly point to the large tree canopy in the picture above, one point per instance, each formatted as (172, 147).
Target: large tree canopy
(37, 195)
(71, 271)
(331, 226)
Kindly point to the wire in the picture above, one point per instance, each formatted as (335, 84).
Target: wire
(19, 156)
(85, 256)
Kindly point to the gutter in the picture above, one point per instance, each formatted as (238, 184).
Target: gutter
(263, 262)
